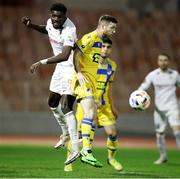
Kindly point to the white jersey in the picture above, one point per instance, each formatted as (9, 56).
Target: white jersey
(165, 84)
(59, 38)
(61, 81)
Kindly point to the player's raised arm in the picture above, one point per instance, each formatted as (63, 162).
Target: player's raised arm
(54, 59)
(61, 57)
(40, 28)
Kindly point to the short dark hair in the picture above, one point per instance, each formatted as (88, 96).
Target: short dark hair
(165, 54)
(108, 18)
(107, 40)
(59, 7)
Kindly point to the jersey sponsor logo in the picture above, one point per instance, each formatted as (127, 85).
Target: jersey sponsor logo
(55, 42)
(101, 85)
(101, 89)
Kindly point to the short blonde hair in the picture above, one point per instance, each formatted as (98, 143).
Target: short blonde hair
(107, 18)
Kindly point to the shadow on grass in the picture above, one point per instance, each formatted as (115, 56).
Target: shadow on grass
(173, 164)
(137, 174)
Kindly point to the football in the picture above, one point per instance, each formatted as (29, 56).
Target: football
(139, 100)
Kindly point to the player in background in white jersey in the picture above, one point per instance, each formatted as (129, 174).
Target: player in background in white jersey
(165, 82)
(62, 36)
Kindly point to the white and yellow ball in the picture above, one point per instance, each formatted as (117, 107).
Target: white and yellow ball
(139, 100)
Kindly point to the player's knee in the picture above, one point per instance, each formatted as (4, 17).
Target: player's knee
(66, 109)
(89, 113)
(112, 133)
(159, 134)
(53, 104)
(111, 130)
(53, 100)
(67, 102)
(112, 137)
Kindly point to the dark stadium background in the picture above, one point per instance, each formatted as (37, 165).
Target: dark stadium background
(145, 29)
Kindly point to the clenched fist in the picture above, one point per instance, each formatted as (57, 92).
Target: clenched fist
(26, 21)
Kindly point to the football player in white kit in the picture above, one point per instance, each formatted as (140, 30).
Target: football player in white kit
(62, 36)
(165, 82)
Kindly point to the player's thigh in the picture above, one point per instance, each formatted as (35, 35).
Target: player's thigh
(62, 83)
(83, 91)
(89, 107)
(55, 85)
(85, 96)
(110, 129)
(160, 122)
(174, 119)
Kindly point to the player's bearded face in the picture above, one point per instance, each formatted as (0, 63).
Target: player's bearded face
(163, 62)
(58, 18)
(110, 29)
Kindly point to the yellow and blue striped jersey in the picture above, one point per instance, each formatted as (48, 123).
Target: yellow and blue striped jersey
(105, 75)
(90, 45)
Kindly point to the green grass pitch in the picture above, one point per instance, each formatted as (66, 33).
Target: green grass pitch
(28, 161)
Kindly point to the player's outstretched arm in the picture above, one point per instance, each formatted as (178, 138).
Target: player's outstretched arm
(40, 28)
(61, 57)
(145, 85)
(55, 59)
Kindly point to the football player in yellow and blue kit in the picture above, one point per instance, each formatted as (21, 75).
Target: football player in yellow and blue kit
(87, 56)
(107, 114)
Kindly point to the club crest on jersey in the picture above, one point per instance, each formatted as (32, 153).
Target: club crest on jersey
(109, 72)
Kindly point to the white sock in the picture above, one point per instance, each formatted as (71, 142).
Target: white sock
(59, 116)
(177, 137)
(72, 128)
(161, 144)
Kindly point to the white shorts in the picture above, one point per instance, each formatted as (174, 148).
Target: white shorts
(61, 82)
(161, 119)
